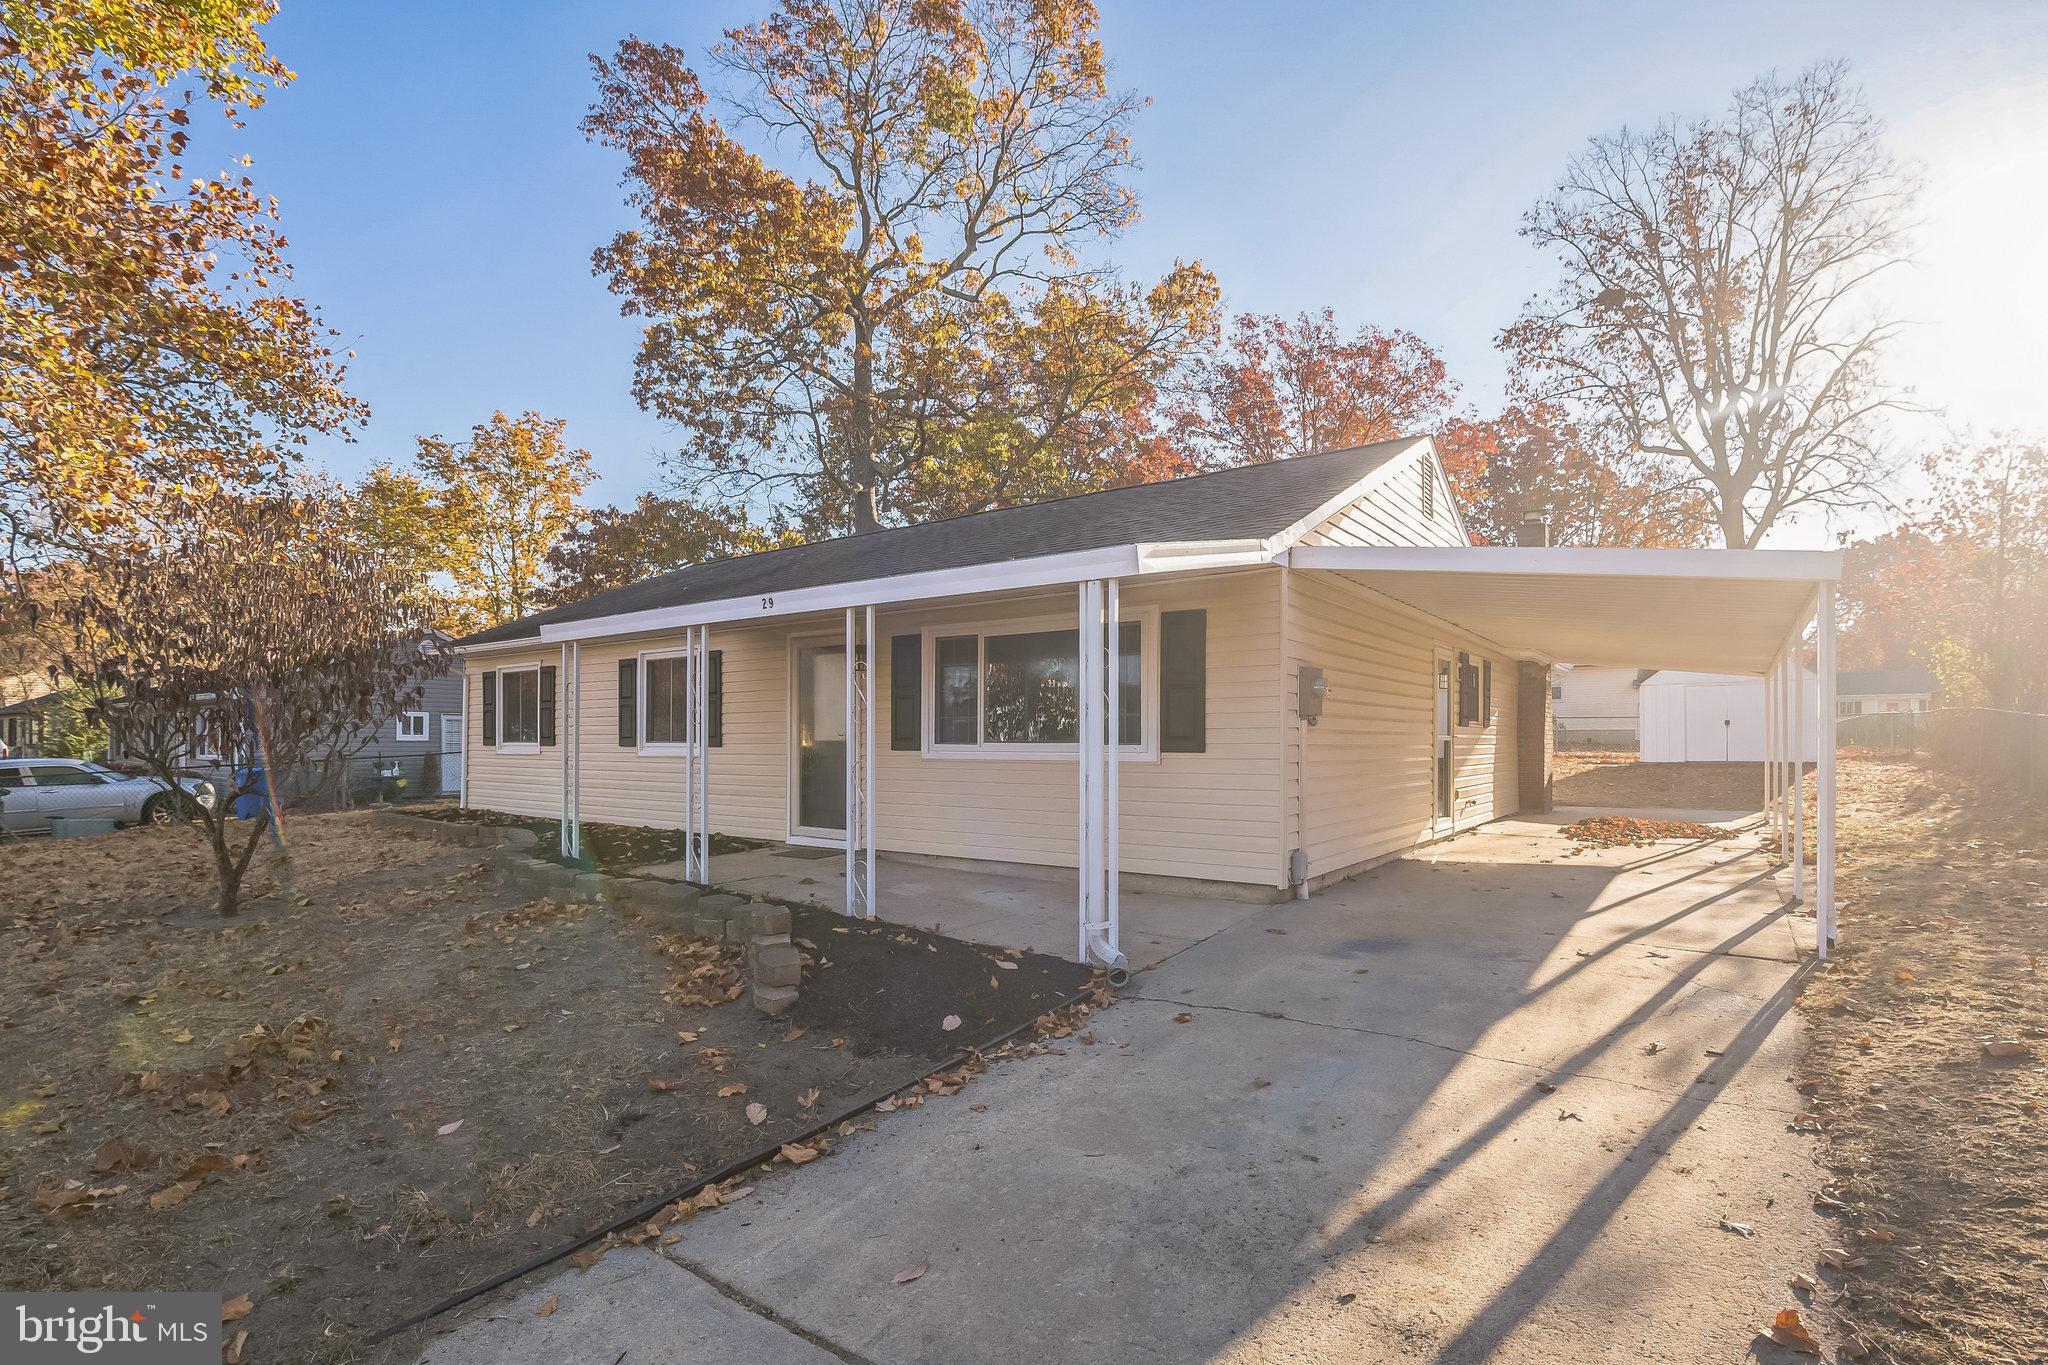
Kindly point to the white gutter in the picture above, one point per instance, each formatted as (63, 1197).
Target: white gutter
(1801, 566)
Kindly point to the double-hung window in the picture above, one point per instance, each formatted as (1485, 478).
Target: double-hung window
(1016, 692)
(519, 709)
(665, 721)
(412, 725)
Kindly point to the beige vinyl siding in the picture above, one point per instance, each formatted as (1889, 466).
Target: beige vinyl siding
(1363, 788)
(523, 784)
(1213, 815)
(1391, 512)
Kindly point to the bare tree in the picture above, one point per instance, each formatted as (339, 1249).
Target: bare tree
(254, 629)
(1715, 307)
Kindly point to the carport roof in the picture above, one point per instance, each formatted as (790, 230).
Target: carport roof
(1710, 611)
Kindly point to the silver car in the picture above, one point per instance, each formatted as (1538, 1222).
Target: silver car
(34, 789)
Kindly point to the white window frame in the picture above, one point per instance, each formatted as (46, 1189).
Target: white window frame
(507, 746)
(666, 748)
(1146, 751)
(408, 719)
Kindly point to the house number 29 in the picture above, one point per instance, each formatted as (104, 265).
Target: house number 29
(767, 604)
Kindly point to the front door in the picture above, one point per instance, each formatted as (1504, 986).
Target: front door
(1440, 751)
(451, 754)
(819, 741)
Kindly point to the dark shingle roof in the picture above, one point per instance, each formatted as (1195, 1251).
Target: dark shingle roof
(1247, 503)
(1882, 681)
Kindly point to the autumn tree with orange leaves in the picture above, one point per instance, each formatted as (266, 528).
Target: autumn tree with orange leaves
(1294, 387)
(148, 339)
(904, 321)
(1533, 459)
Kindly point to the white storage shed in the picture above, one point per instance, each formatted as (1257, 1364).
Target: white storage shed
(1713, 718)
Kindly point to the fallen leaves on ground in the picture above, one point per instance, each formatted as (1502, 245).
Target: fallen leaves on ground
(906, 1276)
(1790, 1332)
(237, 1308)
(547, 1310)
(1628, 831)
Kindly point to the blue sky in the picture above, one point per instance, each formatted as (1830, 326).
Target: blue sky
(1375, 158)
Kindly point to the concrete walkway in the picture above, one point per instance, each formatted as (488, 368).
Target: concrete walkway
(1489, 1103)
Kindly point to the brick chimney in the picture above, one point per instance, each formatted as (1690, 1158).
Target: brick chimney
(1535, 528)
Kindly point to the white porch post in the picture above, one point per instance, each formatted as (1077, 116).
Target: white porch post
(565, 702)
(851, 811)
(702, 672)
(1824, 781)
(1801, 704)
(1088, 609)
(1113, 691)
(690, 749)
(1783, 716)
(867, 800)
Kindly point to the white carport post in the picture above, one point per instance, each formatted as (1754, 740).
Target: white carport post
(1801, 705)
(1824, 780)
(1771, 748)
(867, 733)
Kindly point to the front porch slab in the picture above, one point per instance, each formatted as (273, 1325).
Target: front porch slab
(1005, 908)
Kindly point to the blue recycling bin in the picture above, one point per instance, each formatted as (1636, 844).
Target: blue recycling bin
(250, 804)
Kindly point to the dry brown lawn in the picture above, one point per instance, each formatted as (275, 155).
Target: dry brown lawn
(1617, 781)
(1929, 1068)
(386, 1079)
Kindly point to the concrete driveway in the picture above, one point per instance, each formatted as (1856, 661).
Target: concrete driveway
(1490, 1102)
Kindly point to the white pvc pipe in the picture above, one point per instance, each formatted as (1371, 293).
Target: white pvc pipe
(867, 804)
(1824, 781)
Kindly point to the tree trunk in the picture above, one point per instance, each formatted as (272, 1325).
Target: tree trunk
(862, 503)
(1735, 529)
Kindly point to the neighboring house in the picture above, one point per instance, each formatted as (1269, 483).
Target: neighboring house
(420, 746)
(27, 726)
(1596, 708)
(1315, 671)
(1713, 718)
(1884, 691)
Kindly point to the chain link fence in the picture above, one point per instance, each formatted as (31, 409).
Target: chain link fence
(2008, 748)
(345, 783)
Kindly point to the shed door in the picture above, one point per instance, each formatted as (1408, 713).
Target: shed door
(1707, 722)
(451, 753)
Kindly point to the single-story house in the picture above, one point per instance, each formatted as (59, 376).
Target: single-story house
(1715, 717)
(1596, 708)
(1313, 669)
(1883, 691)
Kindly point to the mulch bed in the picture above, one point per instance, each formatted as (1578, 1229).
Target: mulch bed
(389, 1078)
(1617, 781)
(606, 848)
(898, 987)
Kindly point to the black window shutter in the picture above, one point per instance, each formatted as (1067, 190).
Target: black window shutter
(491, 706)
(906, 706)
(1468, 690)
(1486, 692)
(1183, 682)
(714, 676)
(629, 702)
(547, 703)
